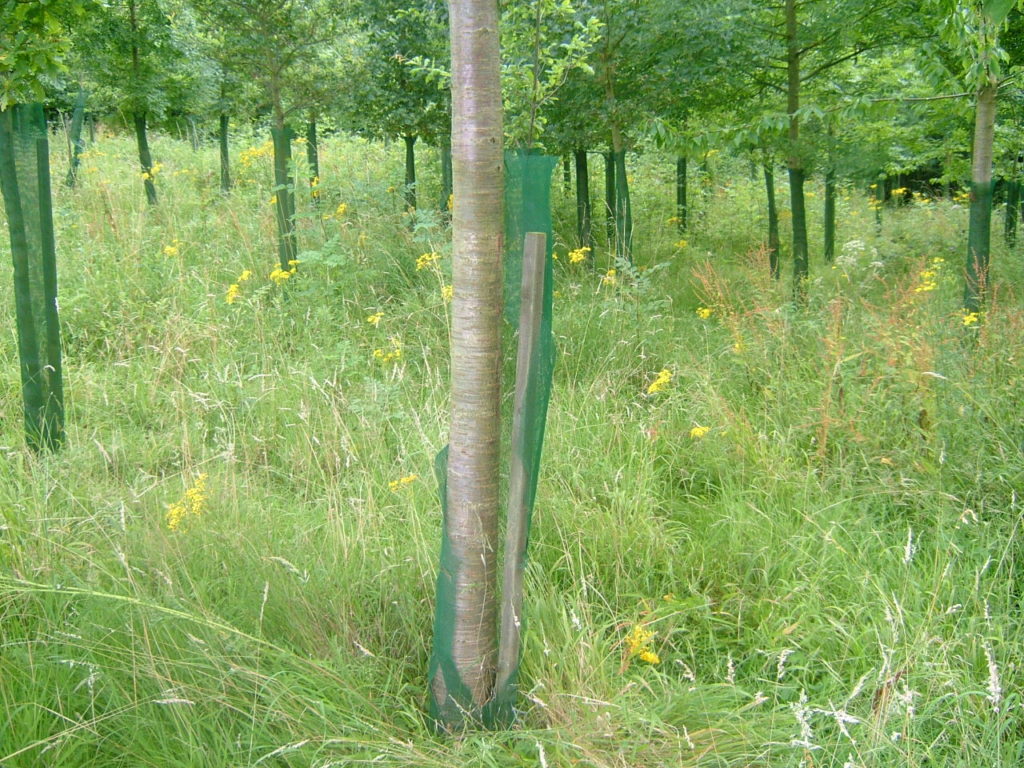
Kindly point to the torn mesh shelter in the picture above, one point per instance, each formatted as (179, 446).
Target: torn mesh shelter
(527, 209)
(25, 185)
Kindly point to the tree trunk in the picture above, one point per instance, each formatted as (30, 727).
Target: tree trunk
(830, 214)
(1012, 204)
(284, 189)
(682, 211)
(609, 195)
(77, 144)
(566, 175)
(145, 158)
(584, 237)
(773, 221)
(980, 229)
(463, 662)
(801, 267)
(313, 158)
(410, 172)
(225, 156)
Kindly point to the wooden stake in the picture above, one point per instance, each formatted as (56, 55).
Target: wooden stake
(531, 306)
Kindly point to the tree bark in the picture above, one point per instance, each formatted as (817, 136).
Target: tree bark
(801, 267)
(145, 158)
(566, 175)
(773, 221)
(584, 236)
(410, 172)
(682, 210)
(980, 228)
(467, 580)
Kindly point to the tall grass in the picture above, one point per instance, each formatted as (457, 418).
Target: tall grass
(830, 569)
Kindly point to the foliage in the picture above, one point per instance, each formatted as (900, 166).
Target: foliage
(33, 45)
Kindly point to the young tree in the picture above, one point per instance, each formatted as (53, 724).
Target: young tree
(276, 44)
(463, 662)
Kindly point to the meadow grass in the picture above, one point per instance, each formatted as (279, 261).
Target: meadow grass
(830, 569)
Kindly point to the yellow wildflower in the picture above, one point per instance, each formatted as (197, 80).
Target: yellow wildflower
(673, 220)
(246, 274)
(341, 210)
(451, 202)
(273, 199)
(698, 432)
(394, 354)
(682, 244)
(401, 482)
(171, 250)
(190, 505)
(704, 312)
(970, 318)
(233, 293)
(280, 276)
(660, 382)
(638, 644)
(610, 277)
(375, 319)
(426, 260)
(578, 255)
(447, 292)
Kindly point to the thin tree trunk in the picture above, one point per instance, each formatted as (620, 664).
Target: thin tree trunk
(1012, 205)
(284, 189)
(410, 172)
(682, 210)
(225, 155)
(609, 194)
(773, 221)
(77, 145)
(566, 175)
(465, 643)
(145, 158)
(584, 236)
(980, 229)
(830, 214)
(801, 267)
(313, 158)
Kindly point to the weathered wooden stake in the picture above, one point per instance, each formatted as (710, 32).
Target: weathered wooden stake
(531, 306)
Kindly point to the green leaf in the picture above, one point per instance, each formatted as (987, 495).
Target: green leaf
(998, 10)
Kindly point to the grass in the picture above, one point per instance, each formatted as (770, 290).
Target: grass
(831, 571)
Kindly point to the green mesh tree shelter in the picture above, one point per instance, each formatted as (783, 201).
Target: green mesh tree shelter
(284, 193)
(25, 185)
(527, 209)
